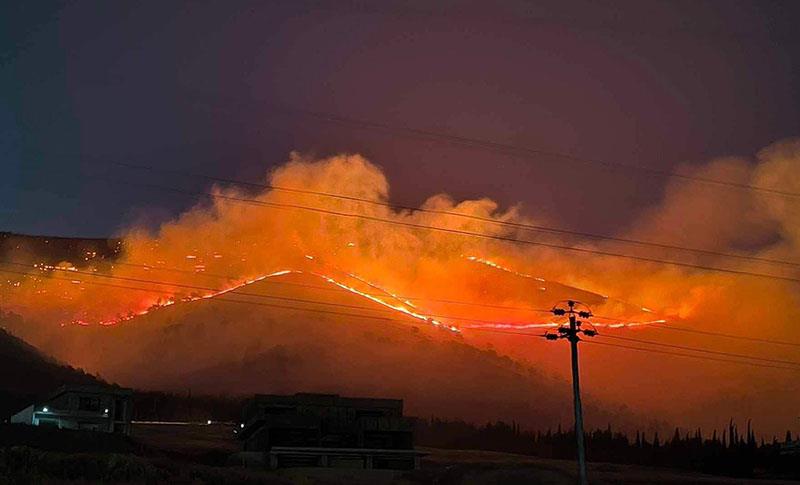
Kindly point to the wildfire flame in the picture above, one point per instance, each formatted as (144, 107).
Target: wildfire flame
(157, 304)
(393, 263)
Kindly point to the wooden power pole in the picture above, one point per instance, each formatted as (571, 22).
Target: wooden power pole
(571, 332)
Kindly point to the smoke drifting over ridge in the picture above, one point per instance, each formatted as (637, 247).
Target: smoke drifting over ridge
(230, 239)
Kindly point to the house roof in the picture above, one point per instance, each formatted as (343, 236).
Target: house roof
(302, 398)
(91, 389)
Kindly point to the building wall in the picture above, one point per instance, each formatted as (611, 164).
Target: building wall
(24, 417)
(89, 409)
(314, 420)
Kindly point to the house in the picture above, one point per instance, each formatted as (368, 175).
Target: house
(92, 407)
(328, 430)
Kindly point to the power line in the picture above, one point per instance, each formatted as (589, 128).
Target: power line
(240, 293)
(460, 302)
(528, 152)
(697, 349)
(656, 351)
(328, 288)
(509, 332)
(273, 305)
(457, 231)
(397, 207)
(615, 319)
(506, 148)
(691, 356)
(184, 286)
(411, 319)
(663, 326)
(227, 299)
(531, 17)
(726, 335)
(385, 293)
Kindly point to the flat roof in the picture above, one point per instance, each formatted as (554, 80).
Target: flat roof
(90, 389)
(327, 400)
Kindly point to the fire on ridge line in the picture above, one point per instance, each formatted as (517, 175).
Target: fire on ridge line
(405, 308)
(524, 326)
(159, 305)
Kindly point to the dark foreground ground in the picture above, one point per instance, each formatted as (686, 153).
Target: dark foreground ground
(198, 453)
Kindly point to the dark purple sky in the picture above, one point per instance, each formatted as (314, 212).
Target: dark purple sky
(193, 87)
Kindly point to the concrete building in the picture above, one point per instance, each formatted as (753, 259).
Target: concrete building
(330, 431)
(97, 408)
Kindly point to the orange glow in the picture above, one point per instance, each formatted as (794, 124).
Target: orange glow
(466, 286)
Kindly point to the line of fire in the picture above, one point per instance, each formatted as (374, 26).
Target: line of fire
(400, 242)
(312, 430)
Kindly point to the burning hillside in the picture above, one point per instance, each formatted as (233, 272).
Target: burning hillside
(242, 344)
(288, 287)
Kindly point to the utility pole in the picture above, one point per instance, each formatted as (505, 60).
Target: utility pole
(571, 332)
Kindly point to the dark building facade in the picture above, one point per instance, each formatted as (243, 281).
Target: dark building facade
(329, 430)
(97, 408)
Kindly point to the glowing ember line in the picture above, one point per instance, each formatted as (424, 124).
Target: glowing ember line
(171, 301)
(629, 324)
(541, 288)
(159, 305)
(515, 326)
(523, 326)
(373, 285)
(418, 316)
(504, 268)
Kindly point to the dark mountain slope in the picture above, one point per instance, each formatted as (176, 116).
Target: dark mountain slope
(26, 374)
(241, 344)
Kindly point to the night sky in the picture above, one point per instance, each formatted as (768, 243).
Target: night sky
(197, 86)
